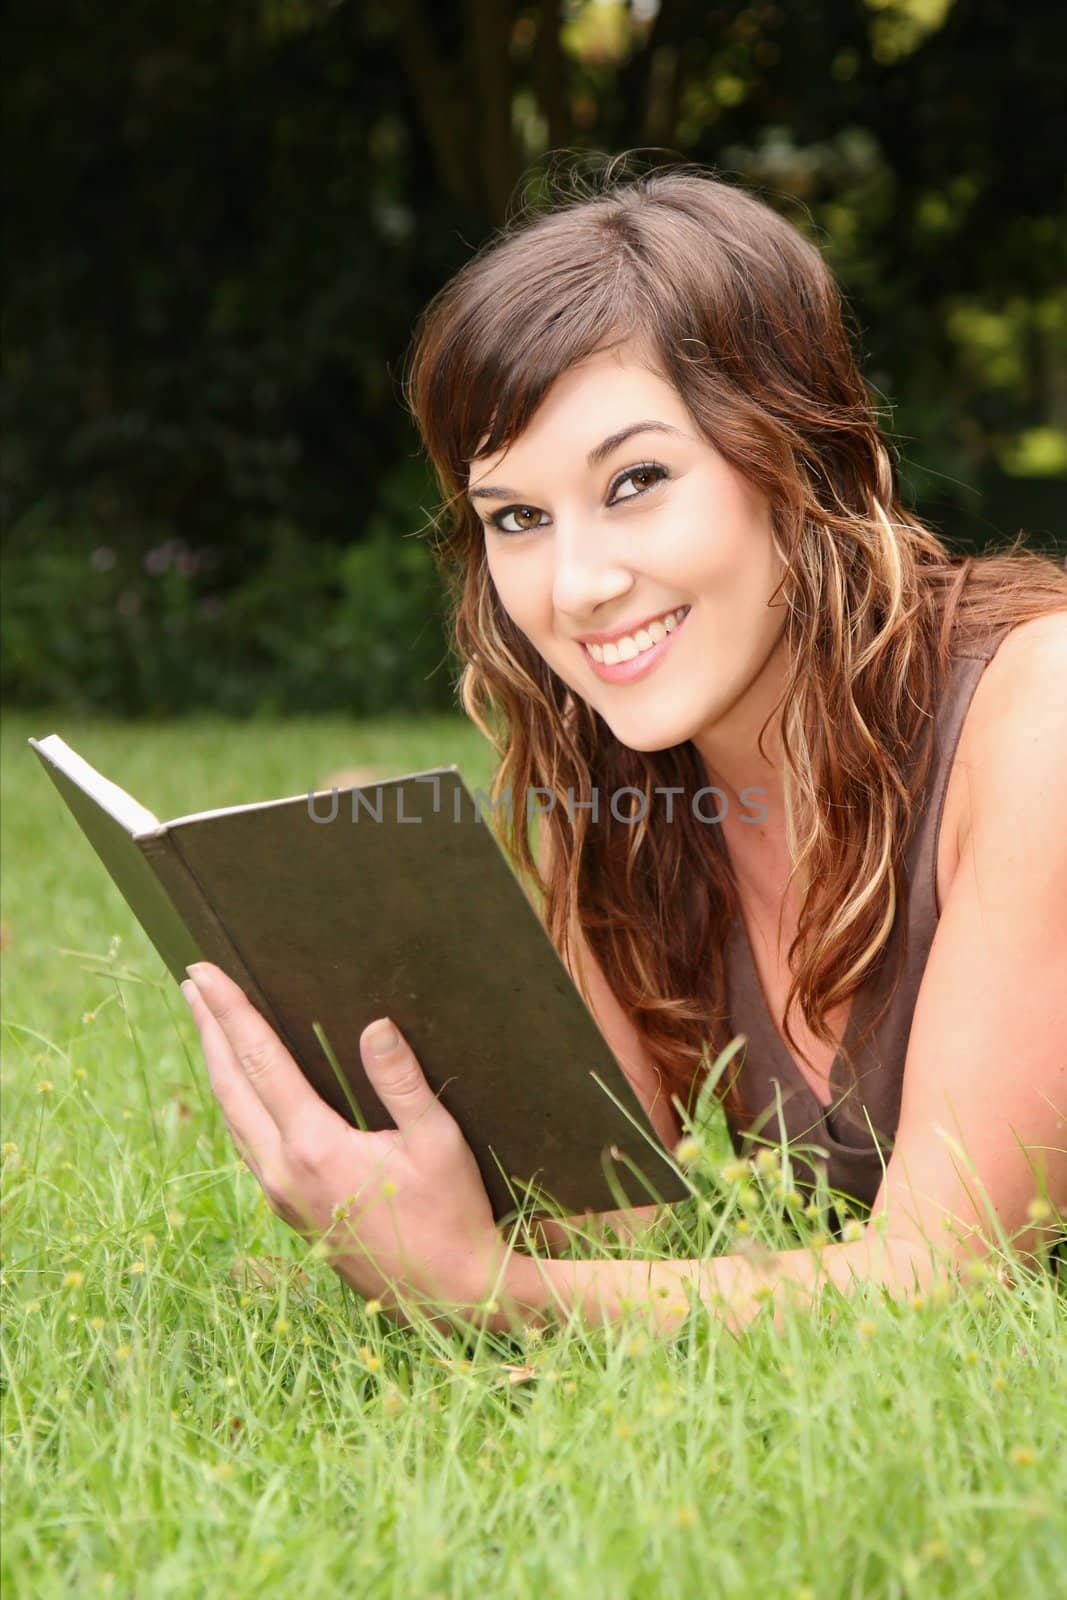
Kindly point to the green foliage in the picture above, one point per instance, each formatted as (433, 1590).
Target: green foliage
(311, 627)
(226, 219)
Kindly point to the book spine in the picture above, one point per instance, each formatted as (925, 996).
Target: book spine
(204, 925)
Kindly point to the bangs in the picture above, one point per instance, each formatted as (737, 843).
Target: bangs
(522, 318)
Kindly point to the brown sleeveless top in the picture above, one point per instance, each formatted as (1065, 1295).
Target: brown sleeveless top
(837, 1138)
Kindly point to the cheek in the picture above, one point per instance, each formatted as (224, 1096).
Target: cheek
(523, 589)
(722, 543)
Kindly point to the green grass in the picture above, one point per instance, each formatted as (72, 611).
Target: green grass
(173, 1427)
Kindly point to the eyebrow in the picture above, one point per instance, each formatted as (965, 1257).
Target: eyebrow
(599, 452)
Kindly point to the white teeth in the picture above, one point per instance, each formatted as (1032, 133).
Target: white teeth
(626, 648)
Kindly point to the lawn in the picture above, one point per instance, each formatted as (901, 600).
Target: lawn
(195, 1405)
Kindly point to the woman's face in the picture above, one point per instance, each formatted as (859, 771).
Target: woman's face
(613, 530)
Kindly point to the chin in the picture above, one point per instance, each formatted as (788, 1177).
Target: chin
(665, 735)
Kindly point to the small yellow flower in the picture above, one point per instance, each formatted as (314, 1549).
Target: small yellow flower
(79, 1073)
(96, 1323)
(138, 1266)
(685, 1516)
(388, 1189)
(734, 1172)
(1039, 1210)
(223, 1469)
(866, 1329)
(88, 1016)
(148, 1240)
(282, 1325)
(999, 1383)
(1022, 1456)
(935, 1550)
(767, 1162)
(373, 1307)
(852, 1230)
(688, 1151)
(175, 1218)
(811, 1209)
(569, 1386)
(10, 1149)
(73, 1280)
(123, 1352)
(742, 1225)
(391, 1403)
(33, 1305)
(45, 1086)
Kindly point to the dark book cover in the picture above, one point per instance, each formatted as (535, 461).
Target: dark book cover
(391, 900)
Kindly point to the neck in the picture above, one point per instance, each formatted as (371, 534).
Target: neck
(731, 755)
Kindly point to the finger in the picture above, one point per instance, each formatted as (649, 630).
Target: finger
(399, 1081)
(266, 1065)
(250, 1124)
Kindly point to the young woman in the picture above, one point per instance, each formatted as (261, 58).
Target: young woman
(810, 771)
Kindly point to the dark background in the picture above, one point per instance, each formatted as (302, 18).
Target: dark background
(224, 218)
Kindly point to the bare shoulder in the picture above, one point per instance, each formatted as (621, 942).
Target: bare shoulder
(1032, 656)
(1025, 683)
(1019, 706)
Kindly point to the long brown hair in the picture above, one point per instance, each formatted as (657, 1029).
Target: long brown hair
(741, 314)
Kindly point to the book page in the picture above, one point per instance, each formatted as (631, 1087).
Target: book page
(115, 801)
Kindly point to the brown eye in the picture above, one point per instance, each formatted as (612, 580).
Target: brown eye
(527, 518)
(643, 478)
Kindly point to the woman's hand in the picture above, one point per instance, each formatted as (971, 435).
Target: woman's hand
(406, 1209)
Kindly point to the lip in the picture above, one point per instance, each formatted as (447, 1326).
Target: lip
(641, 665)
(615, 634)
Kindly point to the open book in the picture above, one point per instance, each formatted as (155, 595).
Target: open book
(330, 909)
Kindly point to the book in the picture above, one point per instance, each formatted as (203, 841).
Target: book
(332, 908)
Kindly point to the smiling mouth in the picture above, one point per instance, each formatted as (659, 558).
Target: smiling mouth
(630, 646)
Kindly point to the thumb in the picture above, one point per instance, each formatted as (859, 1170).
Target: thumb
(397, 1078)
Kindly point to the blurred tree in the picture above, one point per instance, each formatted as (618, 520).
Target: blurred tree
(223, 221)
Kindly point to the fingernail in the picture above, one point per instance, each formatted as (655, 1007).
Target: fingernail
(383, 1039)
(189, 991)
(195, 971)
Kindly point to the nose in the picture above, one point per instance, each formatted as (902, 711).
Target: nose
(588, 573)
